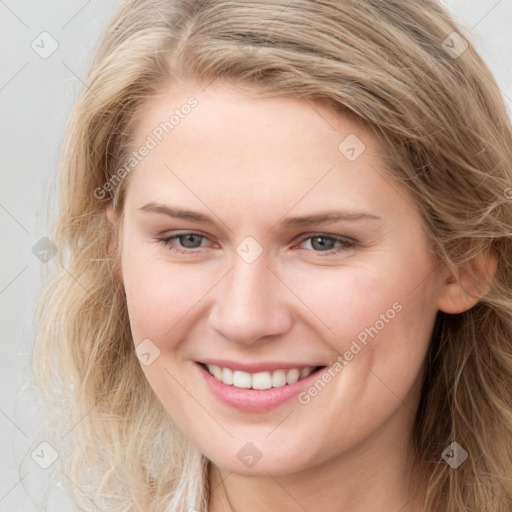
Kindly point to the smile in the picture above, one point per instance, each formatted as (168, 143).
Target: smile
(256, 387)
(260, 380)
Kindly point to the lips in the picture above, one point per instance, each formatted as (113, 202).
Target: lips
(259, 397)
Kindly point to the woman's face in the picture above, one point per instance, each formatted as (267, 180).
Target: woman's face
(305, 253)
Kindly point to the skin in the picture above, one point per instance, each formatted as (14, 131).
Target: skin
(248, 162)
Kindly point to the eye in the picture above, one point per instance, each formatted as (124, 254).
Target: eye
(189, 241)
(329, 244)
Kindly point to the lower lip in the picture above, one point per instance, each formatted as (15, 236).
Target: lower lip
(255, 400)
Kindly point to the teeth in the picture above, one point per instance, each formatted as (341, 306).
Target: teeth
(292, 376)
(305, 372)
(217, 372)
(240, 379)
(227, 376)
(260, 380)
(279, 378)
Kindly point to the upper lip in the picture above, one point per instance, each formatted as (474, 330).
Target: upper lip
(257, 367)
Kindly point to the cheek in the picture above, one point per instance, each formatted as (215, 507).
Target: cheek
(161, 300)
(160, 294)
(393, 341)
(382, 323)
(344, 302)
(378, 318)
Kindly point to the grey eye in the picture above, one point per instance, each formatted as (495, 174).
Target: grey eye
(188, 241)
(320, 243)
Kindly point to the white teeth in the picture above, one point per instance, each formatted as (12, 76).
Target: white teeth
(292, 376)
(227, 376)
(241, 379)
(279, 378)
(217, 372)
(260, 380)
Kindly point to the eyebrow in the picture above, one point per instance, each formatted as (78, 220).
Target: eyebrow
(329, 216)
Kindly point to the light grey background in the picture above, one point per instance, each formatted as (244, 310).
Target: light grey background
(36, 94)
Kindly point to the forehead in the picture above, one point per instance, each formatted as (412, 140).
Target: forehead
(261, 151)
(223, 112)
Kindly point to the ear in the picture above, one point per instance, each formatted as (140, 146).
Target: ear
(113, 242)
(465, 285)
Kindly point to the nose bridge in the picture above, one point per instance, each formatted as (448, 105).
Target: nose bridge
(248, 304)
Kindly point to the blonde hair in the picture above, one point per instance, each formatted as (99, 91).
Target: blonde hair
(434, 104)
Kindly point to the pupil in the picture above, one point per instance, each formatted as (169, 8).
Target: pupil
(187, 238)
(322, 244)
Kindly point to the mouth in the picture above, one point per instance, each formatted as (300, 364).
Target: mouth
(278, 378)
(256, 387)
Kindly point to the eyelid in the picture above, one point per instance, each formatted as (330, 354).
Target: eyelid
(328, 235)
(301, 238)
(166, 238)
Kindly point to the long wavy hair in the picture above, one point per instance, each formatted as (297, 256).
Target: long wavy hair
(407, 70)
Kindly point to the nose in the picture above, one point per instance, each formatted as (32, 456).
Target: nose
(251, 303)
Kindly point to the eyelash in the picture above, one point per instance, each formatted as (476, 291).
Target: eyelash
(345, 243)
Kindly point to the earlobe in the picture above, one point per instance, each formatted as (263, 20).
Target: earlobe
(464, 286)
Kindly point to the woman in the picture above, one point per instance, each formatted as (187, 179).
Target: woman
(287, 280)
